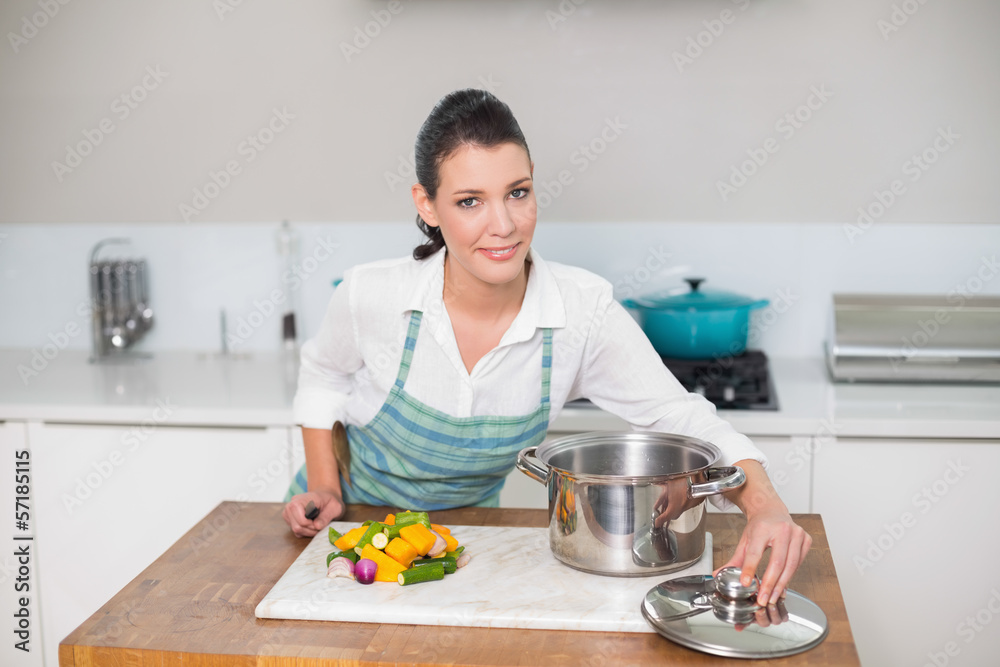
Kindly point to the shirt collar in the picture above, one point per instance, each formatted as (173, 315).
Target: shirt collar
(543, 305)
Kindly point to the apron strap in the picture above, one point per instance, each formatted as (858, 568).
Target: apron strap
(411, 342)
(546, 367)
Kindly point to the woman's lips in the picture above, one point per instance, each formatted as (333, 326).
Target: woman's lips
(499, 254)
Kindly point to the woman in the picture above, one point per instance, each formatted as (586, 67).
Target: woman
(443, 366)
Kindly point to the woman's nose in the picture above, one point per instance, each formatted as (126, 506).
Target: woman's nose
(500, 223)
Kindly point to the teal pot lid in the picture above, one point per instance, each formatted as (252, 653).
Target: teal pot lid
(694, 298)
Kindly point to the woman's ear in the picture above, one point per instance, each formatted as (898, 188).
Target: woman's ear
(424, 205)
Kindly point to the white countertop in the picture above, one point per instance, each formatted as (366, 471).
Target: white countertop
(257, 391)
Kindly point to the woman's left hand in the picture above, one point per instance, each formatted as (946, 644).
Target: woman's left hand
(769, 526)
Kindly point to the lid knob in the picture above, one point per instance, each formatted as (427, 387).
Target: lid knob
(694, 283)
(727, 584)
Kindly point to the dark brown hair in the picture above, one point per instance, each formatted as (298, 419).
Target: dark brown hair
(464, 117)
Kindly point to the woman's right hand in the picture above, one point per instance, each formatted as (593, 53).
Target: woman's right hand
(331, 507)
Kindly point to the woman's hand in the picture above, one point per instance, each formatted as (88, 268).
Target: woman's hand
(769, 526)
(329, 504)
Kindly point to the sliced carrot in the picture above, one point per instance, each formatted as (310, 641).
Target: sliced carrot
(388, 568)
(440, 530)
(351, 538)
(390, 520)
(417, 535)
(401, 551)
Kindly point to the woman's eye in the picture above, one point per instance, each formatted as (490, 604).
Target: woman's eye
(467, 203)
(519, 193)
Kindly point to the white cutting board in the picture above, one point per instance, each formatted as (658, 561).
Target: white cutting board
(512, 581)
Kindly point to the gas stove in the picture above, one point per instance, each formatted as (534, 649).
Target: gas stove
(741, 382)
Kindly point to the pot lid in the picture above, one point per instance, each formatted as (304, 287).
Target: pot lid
(721, 617)
(695, 298)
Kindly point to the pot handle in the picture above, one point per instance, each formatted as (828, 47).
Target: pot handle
(720, 480)
(529, 464)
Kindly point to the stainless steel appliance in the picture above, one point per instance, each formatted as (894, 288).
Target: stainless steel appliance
(914, 338)
(119, 297)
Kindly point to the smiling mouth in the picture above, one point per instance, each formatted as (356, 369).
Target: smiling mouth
(500, 253)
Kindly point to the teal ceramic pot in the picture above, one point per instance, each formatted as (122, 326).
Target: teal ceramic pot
(696, 323)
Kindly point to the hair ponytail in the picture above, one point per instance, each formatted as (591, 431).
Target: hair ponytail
(464, 117)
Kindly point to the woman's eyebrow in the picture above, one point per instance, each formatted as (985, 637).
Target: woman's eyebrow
(470, 191)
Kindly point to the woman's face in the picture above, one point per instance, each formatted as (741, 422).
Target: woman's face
(485, 207)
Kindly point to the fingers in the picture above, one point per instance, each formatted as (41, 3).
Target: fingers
(787, 554)
(294, 514)
(332, 510)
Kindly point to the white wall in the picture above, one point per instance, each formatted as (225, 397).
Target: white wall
(209, 79)
(567, 67)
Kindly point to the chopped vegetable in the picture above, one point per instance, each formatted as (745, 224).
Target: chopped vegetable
(409, 518)
(374, 528)
(334, 535)
(341, 567)
(439, 547)
(392, 532)
(365, 571)
(456, 553)
(387, 567)
(350, 539)
(450, 541)
(401, 551)
(416, 575)
(390, 520)
(379, 540)
(450, 564)
(440, 530)
(463, 560)
(346, 554)
(419, 536)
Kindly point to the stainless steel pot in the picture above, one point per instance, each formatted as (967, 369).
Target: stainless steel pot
(628, 504)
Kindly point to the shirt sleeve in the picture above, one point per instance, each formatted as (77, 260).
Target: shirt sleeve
(329, 362)
(625, 376)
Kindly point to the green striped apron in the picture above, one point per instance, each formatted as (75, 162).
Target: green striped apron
(413, 456)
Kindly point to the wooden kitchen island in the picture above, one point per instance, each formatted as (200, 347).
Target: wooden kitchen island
(195, 606)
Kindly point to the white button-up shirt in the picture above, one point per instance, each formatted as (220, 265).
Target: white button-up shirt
(598, 352)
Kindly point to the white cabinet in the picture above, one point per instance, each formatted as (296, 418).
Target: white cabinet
(912, 526)
(19, 605)
(109, 499)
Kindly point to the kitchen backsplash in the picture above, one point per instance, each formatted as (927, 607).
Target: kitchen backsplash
(199, 270)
